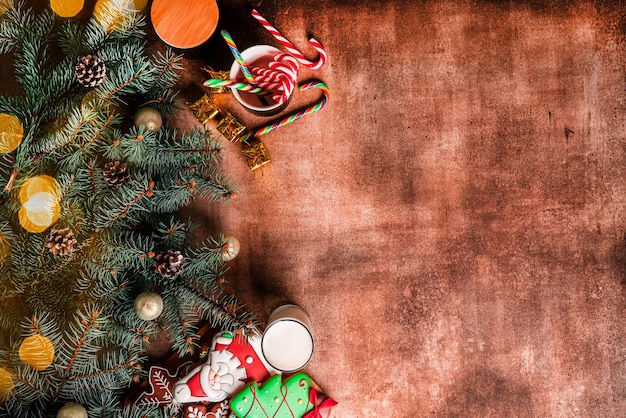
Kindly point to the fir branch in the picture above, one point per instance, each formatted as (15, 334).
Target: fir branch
(97, 134)
(75, 124)
(87, 325)
(117, 208)
(29, 385)
(134, 147)
(13, 21)
(132, 24)
(126, 365)
(111, 263)
(168, 66)
(185, 337)
(129, 84)
(66, 186)
(224, 310)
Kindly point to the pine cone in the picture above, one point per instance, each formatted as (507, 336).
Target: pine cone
(90, 71)
(115, 173)
(61, 241)
(169, 264)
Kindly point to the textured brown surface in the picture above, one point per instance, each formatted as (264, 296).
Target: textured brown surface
(454, 220)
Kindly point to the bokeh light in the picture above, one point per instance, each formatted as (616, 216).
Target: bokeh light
(11, 132)
(40, 203)
(37, 351)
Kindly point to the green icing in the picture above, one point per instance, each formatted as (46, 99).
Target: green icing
(275, 398)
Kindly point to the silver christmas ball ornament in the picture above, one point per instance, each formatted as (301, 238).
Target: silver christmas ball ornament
(148, 305)
(72, 410)
(149, 118)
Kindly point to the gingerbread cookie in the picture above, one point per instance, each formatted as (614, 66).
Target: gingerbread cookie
(275, 398)
(232, 362)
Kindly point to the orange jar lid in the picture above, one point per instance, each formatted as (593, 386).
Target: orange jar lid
(184, 24)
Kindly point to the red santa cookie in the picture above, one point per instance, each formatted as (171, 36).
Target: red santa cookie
(232, 362)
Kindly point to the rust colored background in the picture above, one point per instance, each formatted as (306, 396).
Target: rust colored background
(454, 220)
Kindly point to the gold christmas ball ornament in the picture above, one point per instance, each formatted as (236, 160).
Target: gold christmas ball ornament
(148, 305)
(149, 118)
(231, 247)
(72, 410)
(37, 351)
(6, 385)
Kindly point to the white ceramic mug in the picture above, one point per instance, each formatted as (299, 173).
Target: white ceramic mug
(287, 342)
(260, 56)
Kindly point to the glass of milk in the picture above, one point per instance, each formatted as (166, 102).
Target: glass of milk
(287, 342)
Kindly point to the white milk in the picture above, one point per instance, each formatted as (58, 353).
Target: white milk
(287, 343)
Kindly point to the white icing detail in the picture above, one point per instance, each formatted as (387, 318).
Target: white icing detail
(182, 393)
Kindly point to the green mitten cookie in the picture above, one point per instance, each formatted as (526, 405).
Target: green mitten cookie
(275, 398)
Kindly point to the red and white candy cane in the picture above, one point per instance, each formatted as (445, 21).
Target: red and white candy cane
(264, 73)
(315, 65)
(287, 66)
(287, 59)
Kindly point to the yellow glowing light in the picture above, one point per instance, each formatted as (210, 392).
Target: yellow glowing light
(140, 4)
(37, 222)
(114, 14)
(67, 8)
(6, 385)
(11, 131)
(37, 351)
(39, 184)
(91, 101)
(42, 209)
(40, 203)
(5, 6)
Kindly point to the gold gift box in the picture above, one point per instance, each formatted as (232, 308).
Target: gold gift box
(256, 154)
(220, 75)
(206, 111)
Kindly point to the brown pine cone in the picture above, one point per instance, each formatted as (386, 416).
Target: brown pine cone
(90, 71)
(115, 173)
(61, 241)
(169, 264)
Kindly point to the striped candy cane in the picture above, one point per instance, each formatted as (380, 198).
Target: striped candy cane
(216, 83)
(264, 73)
(294, 117)
(289, 46)
(237, 55)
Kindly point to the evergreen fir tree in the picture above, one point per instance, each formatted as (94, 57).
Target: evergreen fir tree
(67, 292)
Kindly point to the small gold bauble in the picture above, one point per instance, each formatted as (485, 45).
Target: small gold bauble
(37, 351)
(72, 410)
(148, 305)
(149, 118)
(6, 385)
(231, 247)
